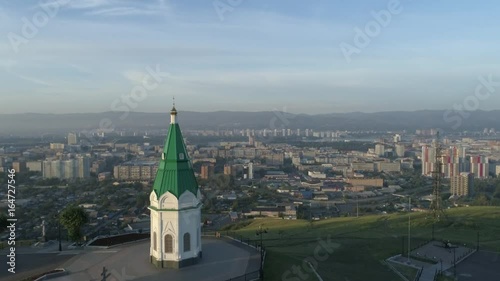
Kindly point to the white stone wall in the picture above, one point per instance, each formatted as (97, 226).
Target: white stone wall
(176, 223)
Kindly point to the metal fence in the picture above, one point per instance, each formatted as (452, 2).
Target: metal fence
(255, 275)
(22, 243)
(419, 273)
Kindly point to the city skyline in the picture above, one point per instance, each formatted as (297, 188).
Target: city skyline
(246, 55)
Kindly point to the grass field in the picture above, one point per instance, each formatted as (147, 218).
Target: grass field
(406, 271)
(358, 245)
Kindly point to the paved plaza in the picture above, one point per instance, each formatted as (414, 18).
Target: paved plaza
(31, 260)
(222, 259)
(482, 265)
(435, 251)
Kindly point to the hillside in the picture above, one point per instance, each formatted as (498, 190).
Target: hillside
(35, 124)
(359, 244)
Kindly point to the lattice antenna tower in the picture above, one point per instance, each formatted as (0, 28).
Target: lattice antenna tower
(437, 175)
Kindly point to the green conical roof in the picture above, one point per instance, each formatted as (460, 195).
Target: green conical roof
(175, 172)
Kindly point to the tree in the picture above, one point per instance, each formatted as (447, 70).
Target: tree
(141, 200)
(105, 203)
(73, 218)
(235, 205)
(481, 200)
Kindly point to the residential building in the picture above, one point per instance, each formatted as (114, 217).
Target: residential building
(207, 171)
(19, 166)
(72, 139)
(428, 160)
(34, 166)
(379, 149)
(366, 182)
(388, 167)
(67, 169)
(400, 150)
(462, 185)
(57, 146)
(228, 170)
(479, 166)
(137, 171)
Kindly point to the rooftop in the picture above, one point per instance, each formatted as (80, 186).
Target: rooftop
(175, 171)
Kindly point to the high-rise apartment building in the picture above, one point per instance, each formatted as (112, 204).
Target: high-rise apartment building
(379, 149)
(479, 166)
(462, 185)
(228, 171)
(72, 139)
(250, 171)
(400, 150)
(67, 169)
(136, 171)
(19, 166)
(428, 160)
(207, 171)
(452, 160)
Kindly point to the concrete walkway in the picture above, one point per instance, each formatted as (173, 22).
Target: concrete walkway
(34, 260)
(221, 260)
(429, 270)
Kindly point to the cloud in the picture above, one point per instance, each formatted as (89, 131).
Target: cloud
(81, 69)
(74, 4)
(118, 8)
(32, 79)
(123, 11)
(9, 66)
(86, 4)
(133, 76)
(4, 17)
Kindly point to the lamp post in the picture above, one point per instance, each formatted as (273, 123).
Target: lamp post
(477, 244)
(260, 233)
(59, 234)
(409, 227)
(454, 263)
(58, 216)
(357, 206)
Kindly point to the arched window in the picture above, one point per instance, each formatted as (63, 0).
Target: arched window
(155, 242)
(187, 242)
(169, 244)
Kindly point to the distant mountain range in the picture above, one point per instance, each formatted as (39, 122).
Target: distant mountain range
(36, 124)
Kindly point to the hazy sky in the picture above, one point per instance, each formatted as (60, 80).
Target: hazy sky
(252, 55)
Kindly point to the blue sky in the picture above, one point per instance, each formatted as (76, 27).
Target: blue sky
(260, 55)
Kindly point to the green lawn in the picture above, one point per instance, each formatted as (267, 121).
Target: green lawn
(358, 245)
(406, 271)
